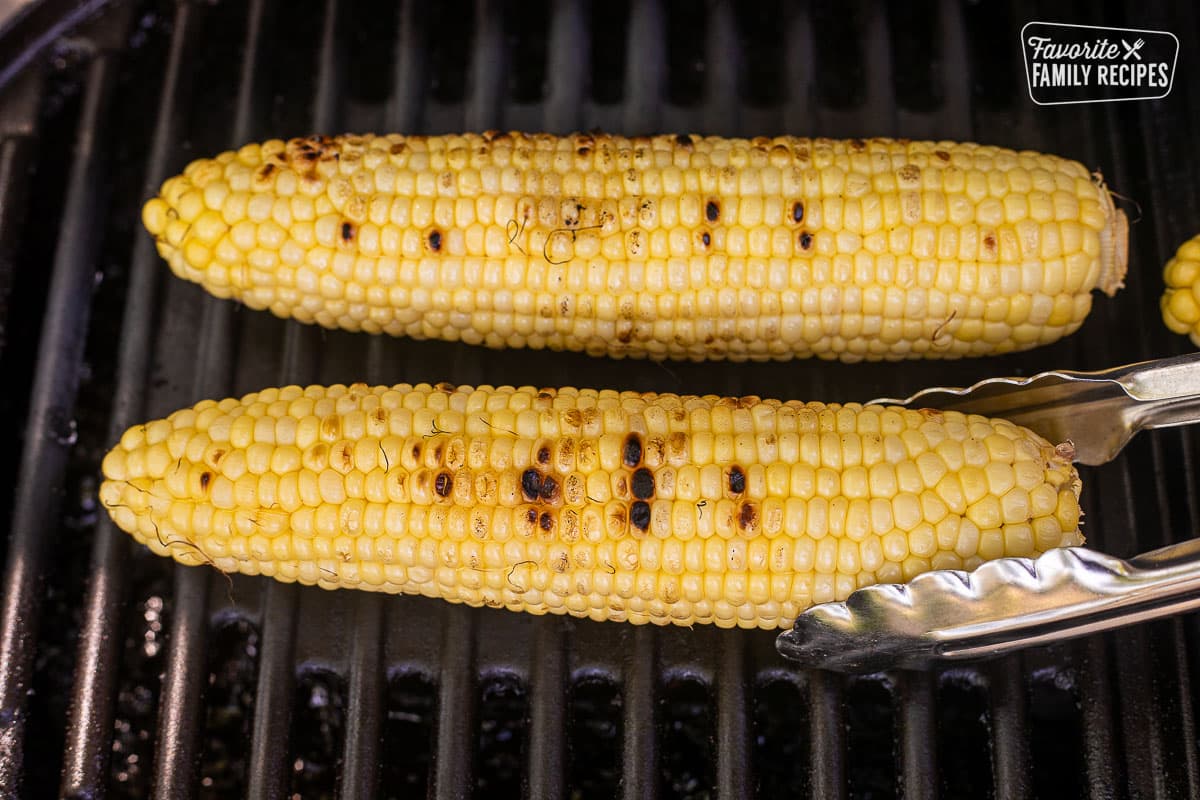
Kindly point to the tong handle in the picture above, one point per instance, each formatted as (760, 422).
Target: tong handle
(1174, 378)
(1004, 605)
(1097, 593)
(1167, 391)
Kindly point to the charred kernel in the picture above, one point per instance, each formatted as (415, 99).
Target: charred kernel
(748, 516)
(942, 154)
(443, 484)
(806, 240)
(531, 484)
(639, 515)
(205, 480)
(706, 238)
(549, 488)
(347, 231)
(546, 521)
(642, 484)
(632, 454)
(737, 480)
(797, 211)
(543, 455)
(683, 139)
(435, 241)
(712, 211)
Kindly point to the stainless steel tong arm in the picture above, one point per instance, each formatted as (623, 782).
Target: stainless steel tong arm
(1004, 605)
(1012, 603)
(1098, 411)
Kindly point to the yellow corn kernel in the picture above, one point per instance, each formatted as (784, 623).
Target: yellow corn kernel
(1180, 302)
(607, 505)
(812, 244)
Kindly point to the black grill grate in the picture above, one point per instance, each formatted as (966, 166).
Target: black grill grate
(268, 690)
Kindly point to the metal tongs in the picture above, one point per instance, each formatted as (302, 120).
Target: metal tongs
(1011, 603)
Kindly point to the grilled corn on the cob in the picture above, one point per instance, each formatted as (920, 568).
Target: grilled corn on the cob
(1181, 301)
(667, 247)
(614, 506)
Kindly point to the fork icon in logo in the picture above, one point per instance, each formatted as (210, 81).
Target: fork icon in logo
(1132, 49)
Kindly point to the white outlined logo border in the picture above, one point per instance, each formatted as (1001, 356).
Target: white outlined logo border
(1029, 78)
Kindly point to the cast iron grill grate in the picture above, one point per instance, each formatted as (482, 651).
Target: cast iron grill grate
(121, 675)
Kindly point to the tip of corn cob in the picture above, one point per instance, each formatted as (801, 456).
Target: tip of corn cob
(1180, 302)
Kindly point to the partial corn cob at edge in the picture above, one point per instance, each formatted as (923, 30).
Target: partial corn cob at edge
(668, 247)
(613, 506)
(1180, 302)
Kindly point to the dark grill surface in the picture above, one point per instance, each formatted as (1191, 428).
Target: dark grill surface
(122, 675)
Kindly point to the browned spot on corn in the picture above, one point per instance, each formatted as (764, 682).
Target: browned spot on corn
(632, 453)
(737, 480)
(643, 484)
(639, 515)
(748, 516)
(531, 484)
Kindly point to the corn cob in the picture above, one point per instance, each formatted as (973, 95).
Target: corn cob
(613, 506)
(1181, 301)
(669, 247)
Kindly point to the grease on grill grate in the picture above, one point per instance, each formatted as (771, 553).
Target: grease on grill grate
(526, 35)
(870, 740)
(1056, 734)
(916, 55)
(841, 78)
(369, 62)
(963, 735)
(450, 33)
(685, 53)
(594, 732)
(318, 726)
(229, 713)
(761, 37)
(503, 731)
(995, 65)
(781, 738)
(609, 24)
(408, 735)
(147, 618)
(686, 719)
